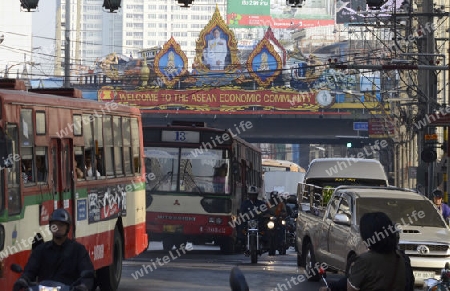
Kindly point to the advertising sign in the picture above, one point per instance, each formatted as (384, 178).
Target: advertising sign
(276, 14)
(214, 99)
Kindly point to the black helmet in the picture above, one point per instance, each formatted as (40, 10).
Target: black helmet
(60, 215)
(273, 194)
(438, 193)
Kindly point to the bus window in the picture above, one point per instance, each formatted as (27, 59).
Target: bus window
(14, 200)
(26, 146)
(118, 144)
(162, 163)
(41, 164)
(135, 145)
(41, 125)
(204, 172)
(108, 146)
(126, 131)
(98, 135)
(79, 162)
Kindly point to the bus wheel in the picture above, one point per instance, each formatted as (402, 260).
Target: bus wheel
(167, 244)
(109, 277)
(228, 245)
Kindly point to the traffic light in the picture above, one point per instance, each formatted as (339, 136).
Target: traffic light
(428, 155)
(112, 5)
(375, 4)
(295, 3)
(185, 3)
(29, 5)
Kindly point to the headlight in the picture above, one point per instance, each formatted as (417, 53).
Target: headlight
(218, 220)
(283, 222)
(211, 220)
(270, 225)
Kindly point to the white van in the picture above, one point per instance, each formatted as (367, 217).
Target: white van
(324, 175)
(346, 171)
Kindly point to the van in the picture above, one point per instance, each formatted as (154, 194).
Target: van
(324, 175)
(346, 171)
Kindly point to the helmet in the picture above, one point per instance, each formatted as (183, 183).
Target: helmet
(273, 194)
(438, 193)
(60, 215)
(252, 190)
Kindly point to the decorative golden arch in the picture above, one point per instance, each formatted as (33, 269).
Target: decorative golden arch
(264, 63)
(202, 62)
(171, 63)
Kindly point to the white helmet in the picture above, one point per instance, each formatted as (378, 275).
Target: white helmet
(252, 190)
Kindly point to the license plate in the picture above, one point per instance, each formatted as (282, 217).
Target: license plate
(423, 274)
(46, 288)
(173, 228)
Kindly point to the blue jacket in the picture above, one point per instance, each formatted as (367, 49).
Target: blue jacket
(445, 210)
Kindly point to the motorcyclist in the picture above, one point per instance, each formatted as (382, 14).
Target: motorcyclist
(277, 208)
(61, 259)
(443, 208)
(252, 208)
(276, 205)
(252, 205)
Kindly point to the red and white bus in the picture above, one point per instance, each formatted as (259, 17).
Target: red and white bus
(199, 178)
(43, 137)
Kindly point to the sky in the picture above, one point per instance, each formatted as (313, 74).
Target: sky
(43, 37)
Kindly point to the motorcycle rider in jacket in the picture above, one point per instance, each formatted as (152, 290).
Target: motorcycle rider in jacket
(61, 259)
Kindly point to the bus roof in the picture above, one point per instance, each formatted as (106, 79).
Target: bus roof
(282, 164)
(50, 100)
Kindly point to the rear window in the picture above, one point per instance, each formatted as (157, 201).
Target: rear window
(404, 211)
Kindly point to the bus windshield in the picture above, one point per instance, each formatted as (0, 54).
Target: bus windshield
(187, 170)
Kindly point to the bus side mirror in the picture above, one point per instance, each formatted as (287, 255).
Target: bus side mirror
(6, 152)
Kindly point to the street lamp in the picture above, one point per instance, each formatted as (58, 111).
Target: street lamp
(29, 5)
(112, 5)
(185, 3)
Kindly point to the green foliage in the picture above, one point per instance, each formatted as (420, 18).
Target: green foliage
(326, 194)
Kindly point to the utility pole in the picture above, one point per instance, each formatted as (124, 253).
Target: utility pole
(427, 85)
(67, 47)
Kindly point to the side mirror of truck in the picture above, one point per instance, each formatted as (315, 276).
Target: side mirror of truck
(342, 219)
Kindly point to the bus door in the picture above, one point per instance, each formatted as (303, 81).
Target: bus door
(62, 176)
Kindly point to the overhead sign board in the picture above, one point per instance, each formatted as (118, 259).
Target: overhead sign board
(364, 125)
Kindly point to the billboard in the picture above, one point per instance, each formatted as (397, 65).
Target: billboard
(276, 14)
(356, 11)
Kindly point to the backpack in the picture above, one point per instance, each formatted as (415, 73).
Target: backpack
(409, 276)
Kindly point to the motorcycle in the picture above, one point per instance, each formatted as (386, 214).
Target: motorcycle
(50, 285)
(439, 285)
(253, 240)
(266, 234)
(276, 232)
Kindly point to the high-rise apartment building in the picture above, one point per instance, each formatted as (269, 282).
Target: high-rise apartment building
(15, 29)
(137, 25)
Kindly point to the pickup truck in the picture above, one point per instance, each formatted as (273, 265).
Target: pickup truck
(331, 234)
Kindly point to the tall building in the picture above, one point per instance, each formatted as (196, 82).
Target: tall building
(15, 29)
(137, 25)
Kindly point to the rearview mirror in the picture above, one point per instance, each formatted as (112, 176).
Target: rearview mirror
(342, 219)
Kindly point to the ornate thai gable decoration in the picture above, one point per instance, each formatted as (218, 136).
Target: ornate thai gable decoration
(171, 63)
(274, 41)
(216, 61)
(264, 63)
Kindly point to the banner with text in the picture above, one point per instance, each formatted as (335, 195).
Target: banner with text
(214, 99)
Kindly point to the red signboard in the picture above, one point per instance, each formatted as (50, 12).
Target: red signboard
(214, 99)
(380, 128)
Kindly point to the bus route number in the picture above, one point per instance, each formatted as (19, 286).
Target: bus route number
(99, 252)
(180, 136)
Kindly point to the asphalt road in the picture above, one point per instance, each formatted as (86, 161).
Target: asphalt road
(205, 268)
